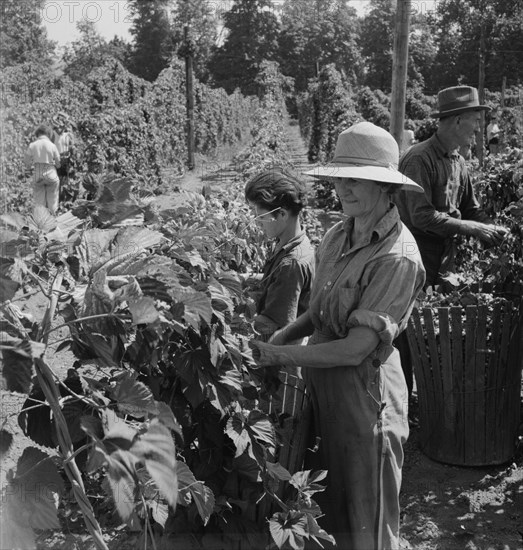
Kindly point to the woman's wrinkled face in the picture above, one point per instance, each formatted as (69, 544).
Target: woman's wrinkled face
(358, 197)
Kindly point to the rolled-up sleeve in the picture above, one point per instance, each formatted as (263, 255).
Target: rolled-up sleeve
(388, 289)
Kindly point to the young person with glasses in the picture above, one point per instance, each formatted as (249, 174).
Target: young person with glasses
(277, 197)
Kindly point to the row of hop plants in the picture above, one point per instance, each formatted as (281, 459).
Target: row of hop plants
(158, 417)
(330, 105)
(122, 124)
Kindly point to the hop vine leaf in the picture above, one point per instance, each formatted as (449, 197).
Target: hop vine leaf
(30, 500)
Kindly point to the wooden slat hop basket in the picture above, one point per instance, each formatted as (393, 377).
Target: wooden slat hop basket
(467, 363)
(295, 426)
(294, 412)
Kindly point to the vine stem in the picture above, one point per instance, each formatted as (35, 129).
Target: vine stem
(83, 319)
(45, 378)
(43, 331)
(77, 452)
(147, 524)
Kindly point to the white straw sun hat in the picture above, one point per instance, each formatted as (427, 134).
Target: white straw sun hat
(366, 151)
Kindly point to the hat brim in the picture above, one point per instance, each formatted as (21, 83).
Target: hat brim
(371, 173)
(453, 112)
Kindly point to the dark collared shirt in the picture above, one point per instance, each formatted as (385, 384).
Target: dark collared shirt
(287, 277)
(371, 284)
(449, 195)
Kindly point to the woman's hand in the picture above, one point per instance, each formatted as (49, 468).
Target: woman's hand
(264, 354)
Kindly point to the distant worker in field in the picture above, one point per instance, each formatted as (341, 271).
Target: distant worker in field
(493, 132)
(44, 156)
(64, 141)
(449, 206)
(407, 139)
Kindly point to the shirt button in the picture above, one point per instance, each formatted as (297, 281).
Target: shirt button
(321, 312)
(329, 283)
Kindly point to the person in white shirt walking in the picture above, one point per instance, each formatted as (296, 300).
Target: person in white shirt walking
(44, 155)
(64, 141)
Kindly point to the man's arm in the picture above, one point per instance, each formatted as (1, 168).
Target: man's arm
(475, 222)
(469, 207)
(418, 212)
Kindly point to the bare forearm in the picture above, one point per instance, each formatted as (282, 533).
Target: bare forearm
(348, 351)
(298, 329)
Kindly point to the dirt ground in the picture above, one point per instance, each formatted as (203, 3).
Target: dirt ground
(446, 507)
(443, 507)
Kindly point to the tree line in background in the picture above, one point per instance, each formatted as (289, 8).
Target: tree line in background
(303, 36)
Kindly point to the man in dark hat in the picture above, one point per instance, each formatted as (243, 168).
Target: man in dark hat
(449, 206)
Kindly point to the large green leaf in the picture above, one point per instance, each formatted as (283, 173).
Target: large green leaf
(67, 222)
(217, 351)
(16, 364)
(155, 449)
(277, 471)
(133, 397)
(220, 297)
(15, 531)
(93, 250)
(117, 189)
(8, 289)
(30, 499)
(191, 489)
(122, 477)
(316, 532)
(130, 242)
(232, 282)
(101, 349)
(254, 434)
(118, 434)
(307, 481)
(236, 429)
(167, 418)
(6, 440)
(13, 220)
(262, 428)
(13, 268)
(41, 219)
(289, 528)
(160, 511)
(196, 305)
(143, 311)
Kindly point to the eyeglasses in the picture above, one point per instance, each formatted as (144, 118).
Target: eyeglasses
(259, 216)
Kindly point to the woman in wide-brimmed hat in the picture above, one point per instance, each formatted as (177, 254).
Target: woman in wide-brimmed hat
(368, 275)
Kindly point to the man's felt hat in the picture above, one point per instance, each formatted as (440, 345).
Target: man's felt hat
(458, 99)
(367, 152)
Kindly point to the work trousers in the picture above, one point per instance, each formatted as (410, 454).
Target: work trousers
(361, 417)
(45, 192)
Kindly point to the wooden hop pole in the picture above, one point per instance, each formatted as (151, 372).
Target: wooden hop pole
(399, 69)
(190, 97)
(480, 142)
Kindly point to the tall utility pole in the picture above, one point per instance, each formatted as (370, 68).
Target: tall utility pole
(480, 141)
(190, 97)
(399, 69)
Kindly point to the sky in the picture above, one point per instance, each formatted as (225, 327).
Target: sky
(112, 17)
